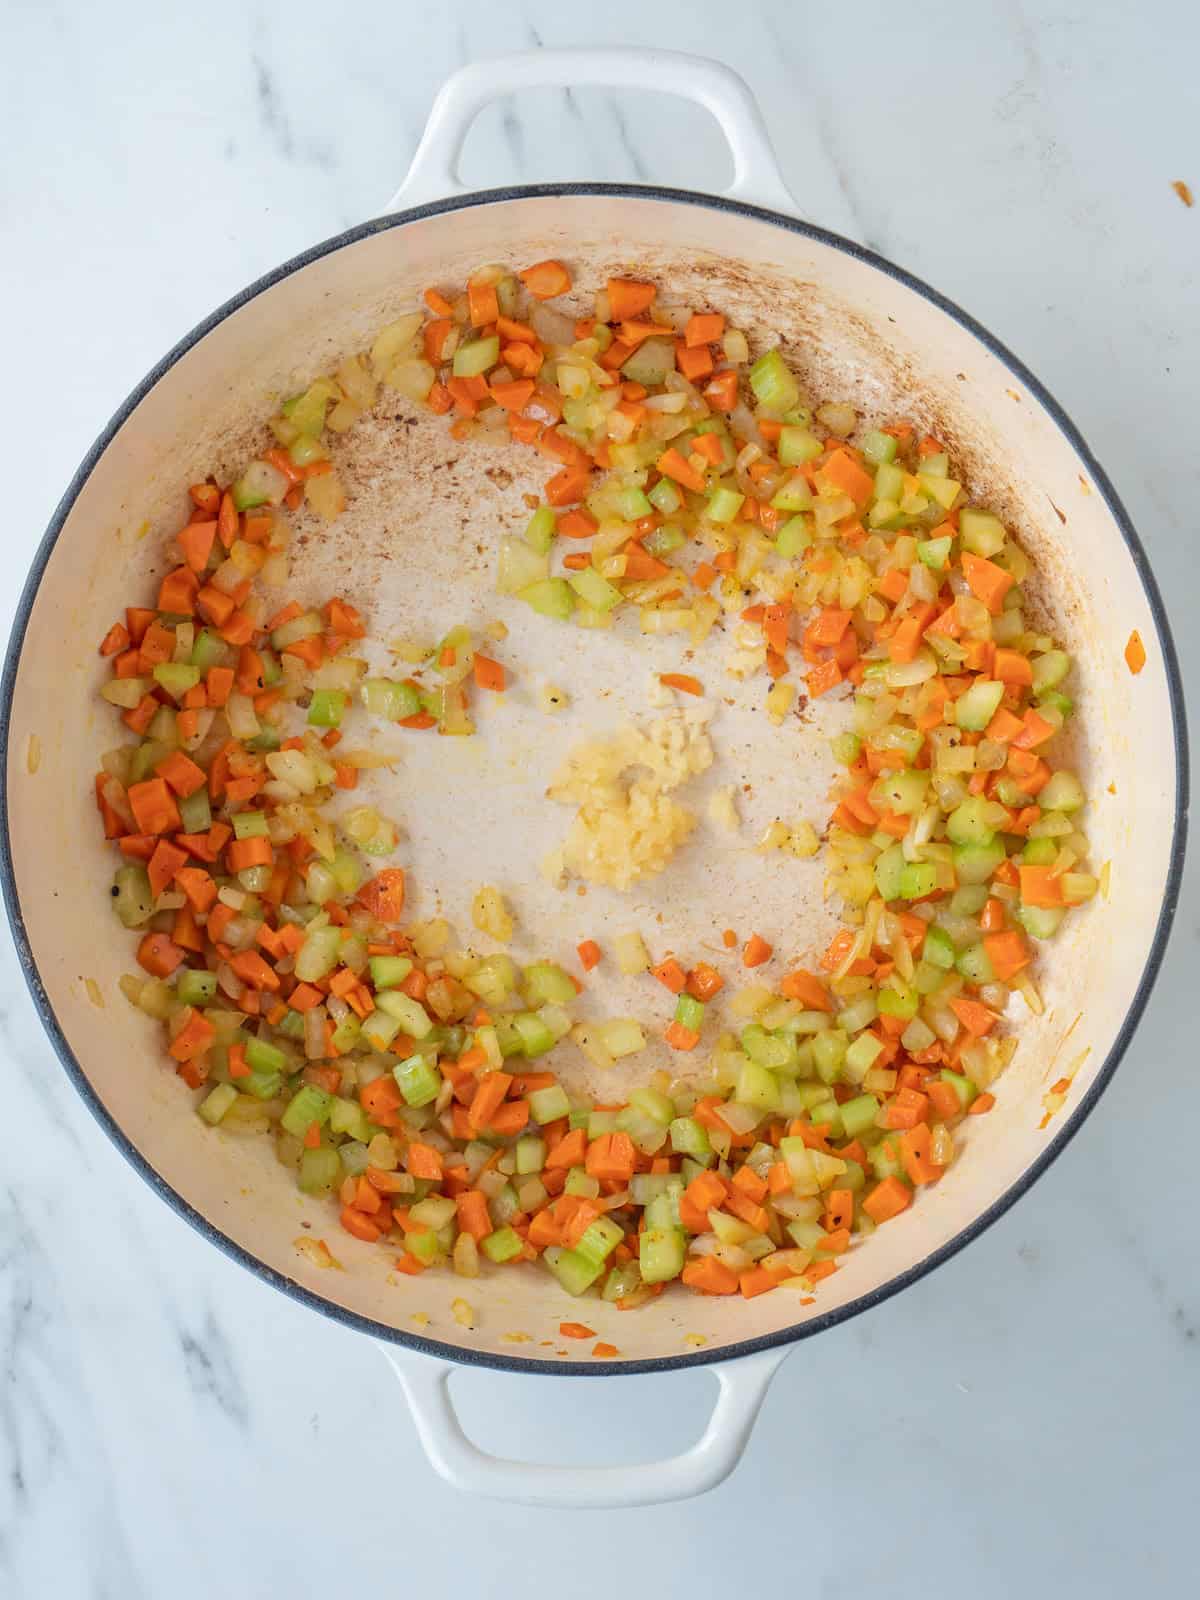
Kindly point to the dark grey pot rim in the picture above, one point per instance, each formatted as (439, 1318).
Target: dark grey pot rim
(1054, 1145)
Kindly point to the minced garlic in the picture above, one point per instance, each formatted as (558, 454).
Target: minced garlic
(628, 826)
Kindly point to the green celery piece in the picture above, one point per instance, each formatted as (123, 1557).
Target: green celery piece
(859, 1114)
(976, 708)
(264, 1057)
(217, 1102)
(724, 504)
(575, 1272)
(975, 863)
(665, 497)
(250, 824)
(262, 1085)
(348, 1117)
(793, 538)
(476, 356)
(546, 983)
(689, 1012)
(195, 812)
(794, 496)
(195, 988)
(938, 949)
(962, 1086)
(308, 1105)
(536, 1038)
(600, 1239)
(409, 1013)
(388, 972)
(320, 1170)
(661, 1254)
(918, 879)
(551, 597)
(889, 872)
(209, 650)
(418, 1079)
(594, 590)
(540, 529)
(690, 1138)
(934, 553)
(176, 677)
(327, 708)
(131, 897)
(975, 964)
(772, 384)
(877, 446)
(798, 445)
(967, 823)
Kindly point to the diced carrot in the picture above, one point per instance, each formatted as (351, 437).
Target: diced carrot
(1008, 953)
(710, 1276)
(807, 988)
(974, 1016)
(672, 465)
(981, 1105)
(159, 955)
(680, 1037)
(756, 951)
(1040, 887)
(671, 975)
(887, 1199)
(383, 895)
(546, 279)
(589, 954)
(843, 473)
(628, 298)
(1135, 653)
(703, 981)
(986, 581)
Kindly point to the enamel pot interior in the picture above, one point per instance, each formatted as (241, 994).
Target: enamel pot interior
(416, 552)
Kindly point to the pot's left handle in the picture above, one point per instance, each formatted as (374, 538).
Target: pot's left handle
(743, 1385)
(757, 179)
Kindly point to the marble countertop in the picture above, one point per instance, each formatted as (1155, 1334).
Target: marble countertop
(1024, 1420)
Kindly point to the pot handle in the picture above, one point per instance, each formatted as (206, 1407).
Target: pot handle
(743, 1385)
(433, 174)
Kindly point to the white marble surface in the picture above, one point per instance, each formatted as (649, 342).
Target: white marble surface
(1025, 1420)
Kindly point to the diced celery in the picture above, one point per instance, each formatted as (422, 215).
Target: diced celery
(409, 1013)
(886, 1160)
(502, 1245)
(889, 872)
(772, 384)
(132, 900)
(976, 708)
(249, 824)
(594, 590)
(724, 504)
(918, 879)
(387, 972)
(379, 1029)
(551, 597)
(418, 1079)
(794, 537)
(530, 1154)
(597, 1123)
(897, 1003)
(665, 497)
(661, 1254)
(540, 529)
(690, 1138)
(689, 1012)
(889, 484)
(900, 791)
(650, 362)
(264, 1057)
(798, 445)
(600, 1239)
(878, 446)
(939, 949)
(756, 1087)
(262, 1085)
(1063, 792)
(217, 1102)
(981, 533)
(549, 1104)
(209, 650)
(939, 488)
(536, 1038)
(547, 983)
(427, 1247)
(346, 1034)
(196, 988)
(775, 1051)
(1040, 922)
(975, 863)
(829, 1052)
(1061, 703)
(475, 356)
(1049, 670)
(934, 553)
(319, 954)
(962, 1086)
(176, 677)
(574, 1271)
(975, 964)
(348, 1117)
(1039, 852)
(195, 812)
(327, 708)
(861, 1055)
(859, 1114)
(968, 822)
(320, 1170)
(308, 1105)
(794, 496)
(664, 540)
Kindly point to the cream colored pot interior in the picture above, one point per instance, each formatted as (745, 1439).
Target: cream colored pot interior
(416, 552)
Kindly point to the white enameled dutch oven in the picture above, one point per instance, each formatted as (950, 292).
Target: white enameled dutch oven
(416, 550)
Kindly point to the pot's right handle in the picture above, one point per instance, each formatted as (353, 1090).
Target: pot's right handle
(743, 1385)
(757, 179)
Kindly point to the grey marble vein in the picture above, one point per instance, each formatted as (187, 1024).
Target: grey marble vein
(212, 1370)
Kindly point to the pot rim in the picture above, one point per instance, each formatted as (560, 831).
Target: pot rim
(1055, 1144)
